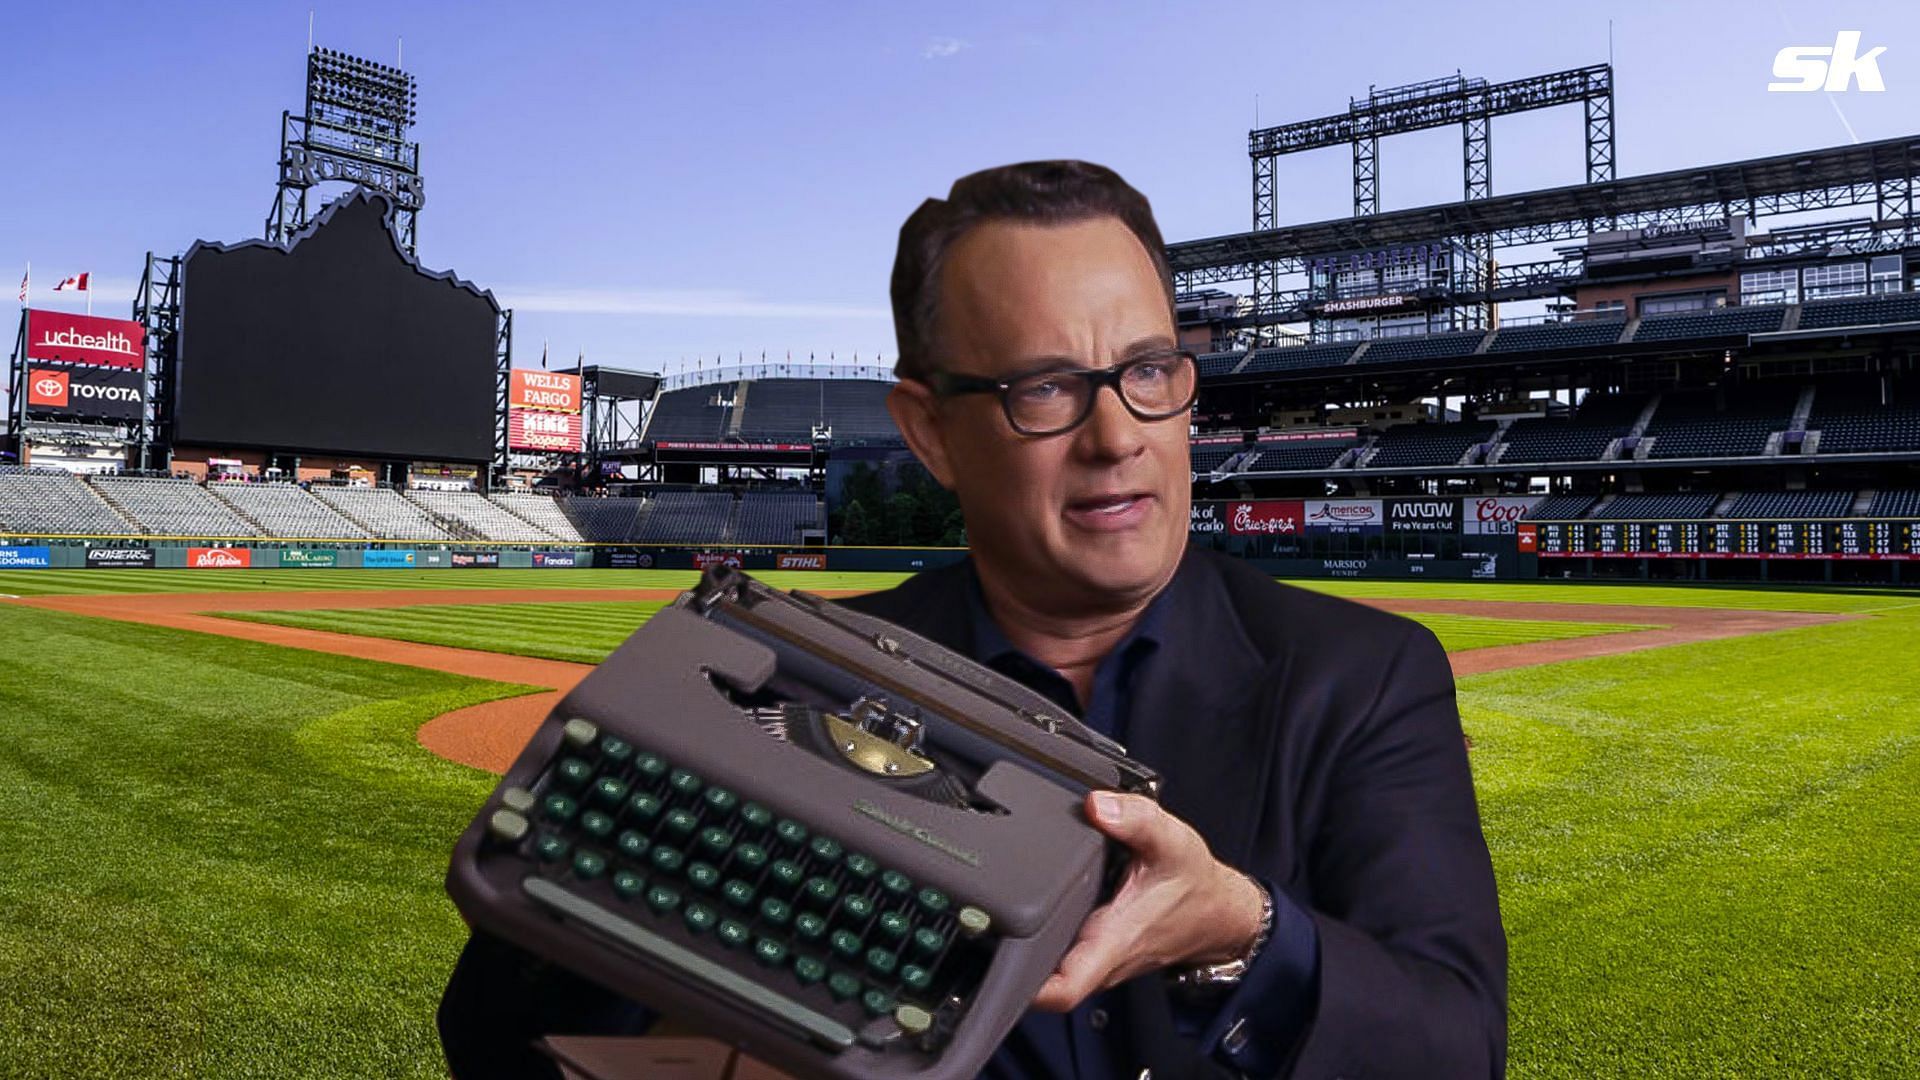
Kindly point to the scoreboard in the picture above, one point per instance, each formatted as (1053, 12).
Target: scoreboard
(1848, 539)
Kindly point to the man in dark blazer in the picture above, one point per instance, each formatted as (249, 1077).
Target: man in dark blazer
(1312, 895)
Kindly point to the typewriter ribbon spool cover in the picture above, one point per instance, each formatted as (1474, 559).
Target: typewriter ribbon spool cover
(833, 844)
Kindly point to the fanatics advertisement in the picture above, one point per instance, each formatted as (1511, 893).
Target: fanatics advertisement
(25, 558)
(93, 392)
(85, 339)
(119, 558)
(219, 558)
(556, 560)
(556, 390)
(540, 429)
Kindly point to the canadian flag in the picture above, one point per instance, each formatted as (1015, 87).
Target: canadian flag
(77, 281)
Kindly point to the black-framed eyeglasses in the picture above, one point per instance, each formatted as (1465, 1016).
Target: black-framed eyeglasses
(1156, 386)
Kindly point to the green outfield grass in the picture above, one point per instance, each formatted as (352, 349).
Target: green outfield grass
(224, 859)
(68, 582)
(587, 632)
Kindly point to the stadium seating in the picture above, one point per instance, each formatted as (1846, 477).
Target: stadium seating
(610, 520)
(1560, 508)
(1658, 507)
(1903, 503)
(1211, 456)
(1688, 425)
(690, 415)
(1851, 420)
(383, 512)
(857, 410)
(1790, 504)
(543, 511)
(1446, 346)
(285, 510)
(56, 503)
(696, 517)
(487, 521)
(1710, 323)
(1301, 454)
(170, 507)
(1218, 363)
(776, 517)
(1584, 437)
(1293, 357)
(1860, 311)
(1545, 337)
(781, 410)
(1428, 444)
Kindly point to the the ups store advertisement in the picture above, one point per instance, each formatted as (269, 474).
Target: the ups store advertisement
(116, 558)
(1431, 515)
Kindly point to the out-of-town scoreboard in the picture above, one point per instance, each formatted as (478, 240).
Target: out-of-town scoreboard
(1830, 539)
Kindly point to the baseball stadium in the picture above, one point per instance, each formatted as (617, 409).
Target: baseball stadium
(1643, 452)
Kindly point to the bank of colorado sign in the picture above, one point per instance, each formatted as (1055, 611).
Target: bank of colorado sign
(81, 391)
(85, 339)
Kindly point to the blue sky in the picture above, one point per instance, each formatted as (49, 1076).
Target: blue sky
(648, 182)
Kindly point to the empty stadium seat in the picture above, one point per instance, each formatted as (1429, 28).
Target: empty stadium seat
(1292, 357)
(607, 520)
(1782, 505)
(544, 511)
(383, 513)
(687, 517)
(1584, 436)
(1688, 423)
(776, 517)
(691, 414)
(285, 510)
(171, 507)
(1445, 346)
(1851, 419)
(1428, 444)
(1210, 456)
(1219, 363)
(1710, 323)
(56, 503)
(1561, 508)
(1302, 454)
(1546, 337)
(484, 519)
(1860, 311)
(1903, 503)
(1681, 507)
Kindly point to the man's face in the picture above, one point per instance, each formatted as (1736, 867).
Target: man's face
(1096, 517)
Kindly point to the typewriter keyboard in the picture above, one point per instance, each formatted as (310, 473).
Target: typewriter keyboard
(715, 884)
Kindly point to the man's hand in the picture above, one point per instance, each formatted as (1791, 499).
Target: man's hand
(1177, 905)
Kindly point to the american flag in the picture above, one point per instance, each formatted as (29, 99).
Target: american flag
(26, 282)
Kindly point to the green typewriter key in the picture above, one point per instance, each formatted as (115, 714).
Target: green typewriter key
(551, 848)
(589, 864)
(810, 926)
(877, 1002)
(769, 952)
(633, 845)
(756, 815)
(934, 902)
(733, 933)
(916, 977)
(896, 883)
(826, 849)
(560, 807)
(856, 907)
(721, 800)
(862, 866)
(846, 943)
(703, 875)
(776, 911)
(842, 985)
(628, 884)
(880, 961)
(928, 941)
(715, 840)
(787, 872)
(645, 807)
(651, 766)
(686, 783)
(821, 890)
(609, 790)
(667, 860)
(791, 831)
(893, 925)
(662, 899)
(700, 918)
(738, 893)
(750, 856)
(681, 822)
(573, 772)
(596, 823)
(615, 749)
(809, 970)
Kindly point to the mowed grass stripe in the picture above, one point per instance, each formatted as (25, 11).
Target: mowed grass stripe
(1809, 598)
(1703, 854)
(1458, 633)
(224, 859)
(71, 582)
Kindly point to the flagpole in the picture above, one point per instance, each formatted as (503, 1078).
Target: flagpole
(89, 294)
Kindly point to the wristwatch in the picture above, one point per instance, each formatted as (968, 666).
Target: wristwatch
(1231, 972)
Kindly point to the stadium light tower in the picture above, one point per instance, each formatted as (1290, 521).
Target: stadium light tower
(354, 131)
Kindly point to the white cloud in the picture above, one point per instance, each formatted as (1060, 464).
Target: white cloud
(943, 47)
(707, 303)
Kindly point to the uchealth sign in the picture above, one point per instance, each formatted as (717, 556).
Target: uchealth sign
(1345, 515)
(554, 390)
(1264, 517)
(1495, 514)
(1429, 515)
(219, 558)
(85, 339)
(538, 429)
(104, 393)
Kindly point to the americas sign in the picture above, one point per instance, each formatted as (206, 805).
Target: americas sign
(85, 339)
